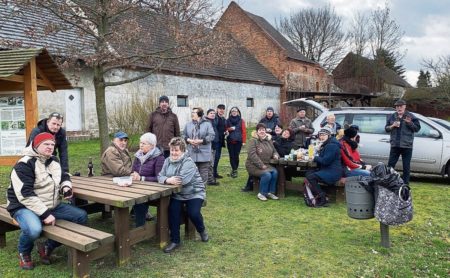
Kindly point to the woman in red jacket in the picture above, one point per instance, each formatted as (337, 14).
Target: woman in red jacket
(351, 158)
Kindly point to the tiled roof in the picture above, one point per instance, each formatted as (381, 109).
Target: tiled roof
(13, 61)
(16, 26)
(291, 51)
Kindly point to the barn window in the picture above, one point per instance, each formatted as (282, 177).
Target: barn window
(250, 102)
(182, 101)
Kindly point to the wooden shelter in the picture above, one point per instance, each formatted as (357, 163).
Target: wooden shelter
(28, 70)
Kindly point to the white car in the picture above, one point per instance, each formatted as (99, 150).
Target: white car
(431, 150)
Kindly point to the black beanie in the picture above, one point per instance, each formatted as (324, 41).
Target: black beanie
(350, 132)
(209, 110)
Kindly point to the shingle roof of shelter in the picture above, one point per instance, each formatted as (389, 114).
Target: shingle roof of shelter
(12, 62)
(15, 27)
(278, 38)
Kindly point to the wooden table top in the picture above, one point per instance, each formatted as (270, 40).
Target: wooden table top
(299, 163)
(102, 190)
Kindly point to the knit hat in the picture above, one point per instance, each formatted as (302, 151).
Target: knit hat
(209, 110)
(41, 137)
(325, 130)
(350, 132)
(270, 108)
(163, 98)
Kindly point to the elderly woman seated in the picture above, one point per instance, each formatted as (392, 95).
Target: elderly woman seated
(180, 169)
(260, 151)
(147, 164)
(353, 165)
(329, 163)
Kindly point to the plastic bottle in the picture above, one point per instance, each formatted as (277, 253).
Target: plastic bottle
(311, 151)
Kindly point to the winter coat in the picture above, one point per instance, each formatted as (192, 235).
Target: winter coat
(165, 126)
(283, 145)
(193, 186)
(116, 162)
(203, 130)
(216, 132)
(301, 134)
(151, 167)
(271, 123)
(60, 142)
(329, 161)
(219, 124)
(403, 136)
(260, 151)
(237, 135)
(36, 184)
(350, 156)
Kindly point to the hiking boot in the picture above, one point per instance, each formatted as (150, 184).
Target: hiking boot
(218, 176)
(204, 236)
(261, 197)
(272, 196)
(44, 253)
(213, 183)
(246, 189)
(234, 174)
(171, 246)
(25, 262)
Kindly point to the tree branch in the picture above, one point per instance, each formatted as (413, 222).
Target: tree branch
(148, 73)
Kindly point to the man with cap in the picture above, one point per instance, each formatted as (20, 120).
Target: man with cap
(116, 159)
(211, 117)
(164, 124)
(34, 198)
(53, 125)
(219, 124)
(402, 125)
(302, 128)
(271, 120)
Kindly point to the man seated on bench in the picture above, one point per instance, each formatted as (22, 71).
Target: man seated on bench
(37, 181)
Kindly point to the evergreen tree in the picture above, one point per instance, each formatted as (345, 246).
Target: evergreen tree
(388, 59)
(424, 79)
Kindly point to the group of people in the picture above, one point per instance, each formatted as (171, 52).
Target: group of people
(39, 179)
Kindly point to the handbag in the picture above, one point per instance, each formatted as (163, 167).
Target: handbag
(394, 207)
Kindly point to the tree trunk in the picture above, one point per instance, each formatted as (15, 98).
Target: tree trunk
(102, 118)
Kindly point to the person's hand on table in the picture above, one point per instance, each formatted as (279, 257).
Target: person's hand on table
(175, 180)
(50, 220)
(135, 176)
(67, 193)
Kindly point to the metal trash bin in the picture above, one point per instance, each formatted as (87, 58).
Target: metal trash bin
(360, 202)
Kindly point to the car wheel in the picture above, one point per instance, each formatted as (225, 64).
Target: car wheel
(448, 172)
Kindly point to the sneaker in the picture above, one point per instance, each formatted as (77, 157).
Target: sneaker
(25, 261)
(218, 176)
(204, 236)
(272, 196)
(234, 174)
(246, 189)
(213, 183)
(44, 253)
(262, 197)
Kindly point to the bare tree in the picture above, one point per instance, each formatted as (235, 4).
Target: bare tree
(440, 69)
(358, 35)
(317, 34)
(385, 33)
(142, 35)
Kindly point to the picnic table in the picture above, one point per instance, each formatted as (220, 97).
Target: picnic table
(102, 190)
(281, 164)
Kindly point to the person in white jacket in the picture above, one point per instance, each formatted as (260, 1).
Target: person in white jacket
(34, 198)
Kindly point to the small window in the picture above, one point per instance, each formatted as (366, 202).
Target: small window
(250, 102)
(182, 101)
(317, 71)
(317, 87)
(370, 123)
(305, 69)
(425, 130)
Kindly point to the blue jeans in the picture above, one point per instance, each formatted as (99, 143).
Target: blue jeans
(31, 225)
(193, 208)
(218, 153)
(356, 172)
(140, 212)
(406, 154)
(268, 182)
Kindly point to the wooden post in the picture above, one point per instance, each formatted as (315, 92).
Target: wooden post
(163, 220)
(30, 96)
(122, 231)
(80, 264)
(384, 230)
(281, 181)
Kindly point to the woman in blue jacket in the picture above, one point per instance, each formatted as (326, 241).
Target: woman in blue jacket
(329, 163)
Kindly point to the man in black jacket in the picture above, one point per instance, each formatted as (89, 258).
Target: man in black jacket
(402, 125)
(219, 124)
(53, 125)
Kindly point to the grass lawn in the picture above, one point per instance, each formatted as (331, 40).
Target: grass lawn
(284, 238)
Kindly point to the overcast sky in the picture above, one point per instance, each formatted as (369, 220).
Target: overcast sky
(426, 23)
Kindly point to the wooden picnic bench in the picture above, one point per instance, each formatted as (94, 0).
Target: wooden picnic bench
(84, 244)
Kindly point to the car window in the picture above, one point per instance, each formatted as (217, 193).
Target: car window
(370, 123)
(340, 118)
(424, 130)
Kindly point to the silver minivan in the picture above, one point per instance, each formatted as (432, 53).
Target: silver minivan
(431, 151)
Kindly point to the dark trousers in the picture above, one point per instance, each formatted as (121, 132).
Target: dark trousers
(193, 208)
(406, 154)
(234, 150)
(218, 153)
(316, 190)
(140, 212)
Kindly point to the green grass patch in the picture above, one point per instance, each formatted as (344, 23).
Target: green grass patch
(284, 238)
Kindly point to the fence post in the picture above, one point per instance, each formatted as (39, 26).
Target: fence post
(384, 229)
